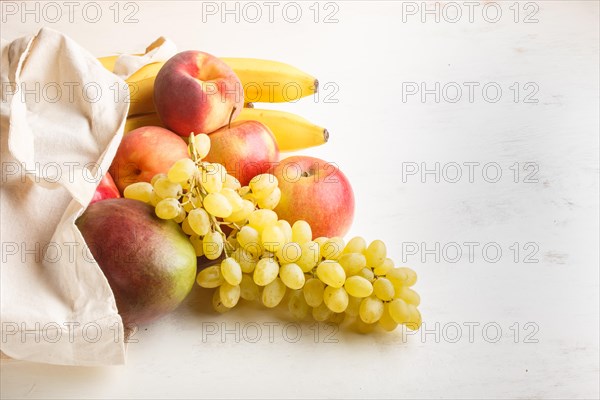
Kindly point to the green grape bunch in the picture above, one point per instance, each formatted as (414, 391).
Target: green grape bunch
(265, 259)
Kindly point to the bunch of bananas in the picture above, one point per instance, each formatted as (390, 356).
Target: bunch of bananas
(258, 77)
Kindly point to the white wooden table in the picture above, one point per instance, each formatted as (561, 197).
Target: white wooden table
(520, 324)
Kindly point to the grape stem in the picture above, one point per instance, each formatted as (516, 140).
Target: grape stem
(197, 188)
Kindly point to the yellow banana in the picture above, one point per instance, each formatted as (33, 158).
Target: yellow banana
(137, 121)
(141, 85)
(141, 96)
(141, 89)
(266, 81)
(108, 62)
(291, 131)
(147, 71)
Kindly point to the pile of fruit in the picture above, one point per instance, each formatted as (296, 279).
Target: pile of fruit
(207, 191)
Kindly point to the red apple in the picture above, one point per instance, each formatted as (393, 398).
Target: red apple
(145, 152)
(106, 189)
(245, 148)
(197, 92)
(315, 191)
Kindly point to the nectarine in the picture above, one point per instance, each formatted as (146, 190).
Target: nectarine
(197, 92)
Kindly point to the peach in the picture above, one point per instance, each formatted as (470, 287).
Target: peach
(145, 152)
(197, 92)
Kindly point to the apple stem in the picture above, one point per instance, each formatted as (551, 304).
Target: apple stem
(231, 116)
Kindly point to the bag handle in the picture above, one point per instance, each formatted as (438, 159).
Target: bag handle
(79, 179)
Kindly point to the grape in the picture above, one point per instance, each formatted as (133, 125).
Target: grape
(363, 327)
(397, 277)
(242, 214)
(182, 170)
(260, 219)
(321, 241)
(352, 263)
(321, 313)
(229, 294)
(399, 311)
(313, 292)
(269, 255)
(245, 259)
(353, 306)
(289, 252)
(216, 204)
(297, 305)
(139, 191)
(167, 189)
(220, 168)
(356, 245)
(386, 321)
(231, 271)
(383, 269)
(154, 198)
(292, 276)
(250, 197)
(271, 201)
(157, 177)
(337, 318)
(336, 299)
(244, 190)
(301, 232)
(211, 179)
(248, 289)
(410, 296)
(192, 201)
(375, 253)
(266, 271)
(358, 286)
(263, 185)
(273, 293)
(366, 273)
(332, 248)
(249, 240)
(272, 238)
(187, 229)
(232, 242)
(309, 257)
(233, 198)
(212, 245)
(210, 277)
(370, 310)
(181, 216)
(168, 208)
(217, 303)
(231, 182)
(411, 276)
(331, 273)
(415, 318)
(199, 221)
(333, 278)
(383, 289)
(197, 243)
(286, 228)
(202, 145)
